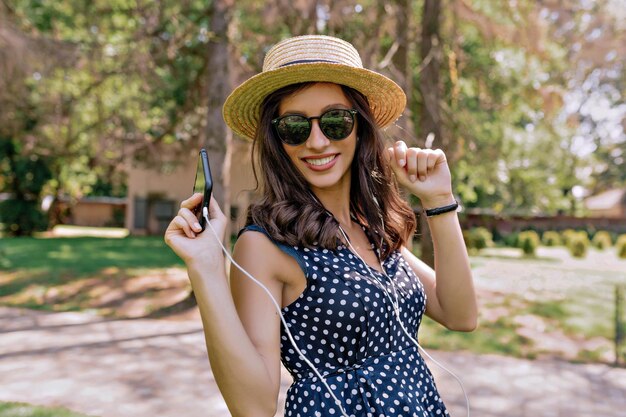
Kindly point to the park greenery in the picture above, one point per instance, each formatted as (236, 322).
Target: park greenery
(525, 97)
(531, 305)
(11, 409)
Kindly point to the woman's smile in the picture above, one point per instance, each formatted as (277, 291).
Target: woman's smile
(321, 162)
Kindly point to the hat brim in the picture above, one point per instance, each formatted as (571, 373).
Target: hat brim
(242, 108)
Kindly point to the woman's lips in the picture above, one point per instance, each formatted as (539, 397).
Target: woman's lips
(320, 163)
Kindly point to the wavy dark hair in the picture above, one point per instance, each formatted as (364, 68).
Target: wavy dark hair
(290, 212)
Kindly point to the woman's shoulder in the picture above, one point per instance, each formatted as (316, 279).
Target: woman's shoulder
(256, 248)
(259, 238)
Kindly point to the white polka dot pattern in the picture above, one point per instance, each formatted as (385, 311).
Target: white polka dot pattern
(345, 324)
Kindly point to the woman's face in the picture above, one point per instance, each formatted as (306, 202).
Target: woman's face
(324, 163)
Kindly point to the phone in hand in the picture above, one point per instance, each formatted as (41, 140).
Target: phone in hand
(203, 184)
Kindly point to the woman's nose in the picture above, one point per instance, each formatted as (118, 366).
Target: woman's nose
(317, 139)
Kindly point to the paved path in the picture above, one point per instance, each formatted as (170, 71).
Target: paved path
(147, 368)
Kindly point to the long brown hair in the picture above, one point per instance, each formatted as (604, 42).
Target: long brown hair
(291, 213)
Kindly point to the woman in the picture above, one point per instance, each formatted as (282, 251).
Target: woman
(327, 240)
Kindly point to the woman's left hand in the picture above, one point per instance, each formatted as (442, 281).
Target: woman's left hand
(424, 172)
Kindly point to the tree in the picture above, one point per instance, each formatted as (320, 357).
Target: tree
(430, 123)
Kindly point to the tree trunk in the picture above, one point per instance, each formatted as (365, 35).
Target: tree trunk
(217, 137)
(401, 62)
(430, 120)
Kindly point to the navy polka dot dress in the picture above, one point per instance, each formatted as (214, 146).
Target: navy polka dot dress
(346, 326)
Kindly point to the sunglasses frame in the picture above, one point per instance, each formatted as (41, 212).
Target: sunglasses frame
(352, 112)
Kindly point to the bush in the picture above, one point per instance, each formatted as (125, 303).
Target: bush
(551, 238)
(511, 239)
(621, 246)
(22, 218)
(478, 238)
(602, 240)
(528, 241)
(566, 236)
(578, 243)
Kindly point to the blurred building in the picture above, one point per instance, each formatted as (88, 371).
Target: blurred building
(610, 203)
(94, 211)
(154, 194)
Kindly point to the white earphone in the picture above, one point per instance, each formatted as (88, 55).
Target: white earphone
(291, 339)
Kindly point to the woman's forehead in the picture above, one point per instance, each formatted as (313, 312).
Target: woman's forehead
(314, 97)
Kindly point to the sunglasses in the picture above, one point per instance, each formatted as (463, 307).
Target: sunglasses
(335, 124)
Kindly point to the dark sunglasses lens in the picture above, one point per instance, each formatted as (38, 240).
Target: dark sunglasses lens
(294, 129)
(337, 124)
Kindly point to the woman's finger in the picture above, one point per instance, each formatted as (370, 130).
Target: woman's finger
(431, 162)
(411, 163)
(422, 165)
(192, 201)
(214, 209)
(190, 218)
(184, 225)
(400, 149)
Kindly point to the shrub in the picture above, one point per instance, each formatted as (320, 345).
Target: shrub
(528, 241)
(578, 244)
(566, 235)
(551, 238)
(478, 238)
(511, 239)
(621, 246)
(602, 240)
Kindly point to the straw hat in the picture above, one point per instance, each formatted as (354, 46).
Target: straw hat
(311, 58)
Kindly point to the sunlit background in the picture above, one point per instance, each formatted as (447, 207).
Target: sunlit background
(105, 104)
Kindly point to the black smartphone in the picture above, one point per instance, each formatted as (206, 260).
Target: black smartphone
(203, 184)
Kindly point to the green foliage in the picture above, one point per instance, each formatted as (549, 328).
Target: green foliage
(528, 241)
(23, 177)
(602, 240)
(567, 235)
(498, 337)
(620, 245)
(28, 410)
(549, 309)
(551, 238)
(578, 243)
(511, 239)
(22, 218)
(478, 238)
(135, 77)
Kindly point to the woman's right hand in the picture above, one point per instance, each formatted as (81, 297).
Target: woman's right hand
(187, 240)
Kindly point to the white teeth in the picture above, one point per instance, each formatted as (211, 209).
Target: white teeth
(321, 161)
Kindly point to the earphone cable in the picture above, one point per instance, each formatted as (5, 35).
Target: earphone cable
(308, 362)
(395, 306)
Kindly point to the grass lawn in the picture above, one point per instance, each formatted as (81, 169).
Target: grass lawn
(27, 410)
(551, 304)
(108, 275)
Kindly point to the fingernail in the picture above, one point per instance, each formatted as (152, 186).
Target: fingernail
(412, 178)
(197, 226)
(422, 178)
(401, 162)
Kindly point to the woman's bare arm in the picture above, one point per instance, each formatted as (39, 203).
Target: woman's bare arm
(241, 328)
(449, 287)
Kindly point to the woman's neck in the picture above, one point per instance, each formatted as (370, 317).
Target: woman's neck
(336, 201)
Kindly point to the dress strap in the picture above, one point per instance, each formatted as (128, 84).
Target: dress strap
(289, 250)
